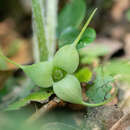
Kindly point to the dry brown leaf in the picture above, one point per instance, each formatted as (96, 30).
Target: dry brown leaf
(117, 32)
(7, 36)
(118, 9)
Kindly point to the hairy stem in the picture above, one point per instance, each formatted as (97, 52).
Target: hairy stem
(51, 23)
(39, 30)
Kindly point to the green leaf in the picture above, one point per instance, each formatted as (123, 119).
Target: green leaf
(120, 68)
(36, 96)
(92, 52)
(71, 15)
(84, 75)
(88, 60)
(88, 37)
(100, 89)
(68, 36)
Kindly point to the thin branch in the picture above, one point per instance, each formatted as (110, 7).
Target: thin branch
(119, 123)
(44, 109)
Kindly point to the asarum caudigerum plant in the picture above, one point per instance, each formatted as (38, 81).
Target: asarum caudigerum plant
(58, 73)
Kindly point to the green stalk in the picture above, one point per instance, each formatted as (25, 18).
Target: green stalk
(101, 103)
(39, 30)
(84, 28)
(10, 61)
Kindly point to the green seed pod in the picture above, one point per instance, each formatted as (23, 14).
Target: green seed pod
(40, 73)
(67, 58)
(68, 89)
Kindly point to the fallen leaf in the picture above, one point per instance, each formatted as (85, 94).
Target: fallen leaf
(118, 9)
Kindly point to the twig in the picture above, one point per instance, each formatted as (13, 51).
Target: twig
(119, 123)
(51, 105)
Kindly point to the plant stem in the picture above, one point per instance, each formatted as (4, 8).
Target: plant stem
(102, 103)
(84, 28)
(45, 108)
(36, 53)
(10, 61)
(51, 23)
(39, 30)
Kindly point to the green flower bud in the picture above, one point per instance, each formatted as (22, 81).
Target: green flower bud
(68, 89)
(67, 58)
(40, 73)
(58, 74)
